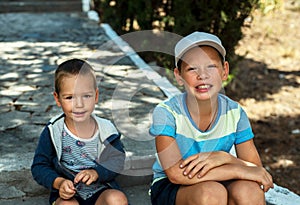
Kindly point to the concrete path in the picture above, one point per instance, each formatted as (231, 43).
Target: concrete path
(31, 46)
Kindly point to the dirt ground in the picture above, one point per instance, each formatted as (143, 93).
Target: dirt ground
(268, 87)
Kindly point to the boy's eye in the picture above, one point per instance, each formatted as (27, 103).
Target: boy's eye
(191, 69)
(211, 66)
(69, 97)
(87, 96)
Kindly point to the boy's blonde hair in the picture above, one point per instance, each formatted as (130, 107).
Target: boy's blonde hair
(72, 67)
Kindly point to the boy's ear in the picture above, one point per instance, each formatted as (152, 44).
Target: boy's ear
(56, 98)
(178, 77)
(225, 71)
(97, 95)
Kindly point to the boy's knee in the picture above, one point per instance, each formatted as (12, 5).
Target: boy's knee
(246, 192)
(114, 197)
(61, 201)
(212, 193)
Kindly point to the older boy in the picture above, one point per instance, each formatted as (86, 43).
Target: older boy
(196, 130)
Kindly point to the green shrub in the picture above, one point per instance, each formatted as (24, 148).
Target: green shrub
(224, 18)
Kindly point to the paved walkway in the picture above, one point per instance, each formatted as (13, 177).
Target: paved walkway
(31, 46)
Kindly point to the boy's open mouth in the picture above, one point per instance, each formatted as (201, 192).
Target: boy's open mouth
(203, 86)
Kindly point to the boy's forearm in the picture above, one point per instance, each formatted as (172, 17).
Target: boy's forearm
(222, 173)
(243, 162)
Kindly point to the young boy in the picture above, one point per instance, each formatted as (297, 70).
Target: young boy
(79, 154)
(196, 130)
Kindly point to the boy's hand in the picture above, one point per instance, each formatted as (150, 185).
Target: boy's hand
(66, 189)
(258, 174)
(87, 176)
(201, 163)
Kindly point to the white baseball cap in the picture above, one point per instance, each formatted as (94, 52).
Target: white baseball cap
(198, 39)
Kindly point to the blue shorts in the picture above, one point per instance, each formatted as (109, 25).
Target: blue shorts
(163, 192)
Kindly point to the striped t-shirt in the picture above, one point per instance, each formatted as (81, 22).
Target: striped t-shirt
(80, 154)
(172, 118)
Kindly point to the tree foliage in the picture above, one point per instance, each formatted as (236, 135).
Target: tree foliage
(224, 18)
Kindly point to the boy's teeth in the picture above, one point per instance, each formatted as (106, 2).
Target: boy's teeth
(203, 86)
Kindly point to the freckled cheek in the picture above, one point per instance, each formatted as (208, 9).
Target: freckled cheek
(217, 77)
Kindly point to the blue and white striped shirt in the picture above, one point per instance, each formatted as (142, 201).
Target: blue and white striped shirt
(172, 118)
(80, 154)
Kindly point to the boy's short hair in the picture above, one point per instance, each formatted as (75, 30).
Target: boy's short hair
(72, 67)
(198, 39)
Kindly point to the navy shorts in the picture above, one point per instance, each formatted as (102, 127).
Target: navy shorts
(89, 201)
(163, 192)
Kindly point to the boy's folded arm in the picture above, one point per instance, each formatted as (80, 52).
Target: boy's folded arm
(221, 173)
(171, 159)
(234, 168)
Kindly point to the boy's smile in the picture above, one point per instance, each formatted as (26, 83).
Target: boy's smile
(202, 72)
(78, 114)
(203, 88)
(77, 97)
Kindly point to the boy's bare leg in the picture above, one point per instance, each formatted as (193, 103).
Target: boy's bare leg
(243, 192)
(204, 193)
(61, 201)
(112, 197)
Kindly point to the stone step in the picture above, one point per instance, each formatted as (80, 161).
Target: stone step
(137, 195)
(40, 6)
(16, 180)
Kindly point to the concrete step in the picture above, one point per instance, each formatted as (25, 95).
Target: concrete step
(137, 195)
(18, 186)
(40, 6)
(16, 180)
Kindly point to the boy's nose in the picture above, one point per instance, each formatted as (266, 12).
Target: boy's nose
(78, 102)
(202, 73)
